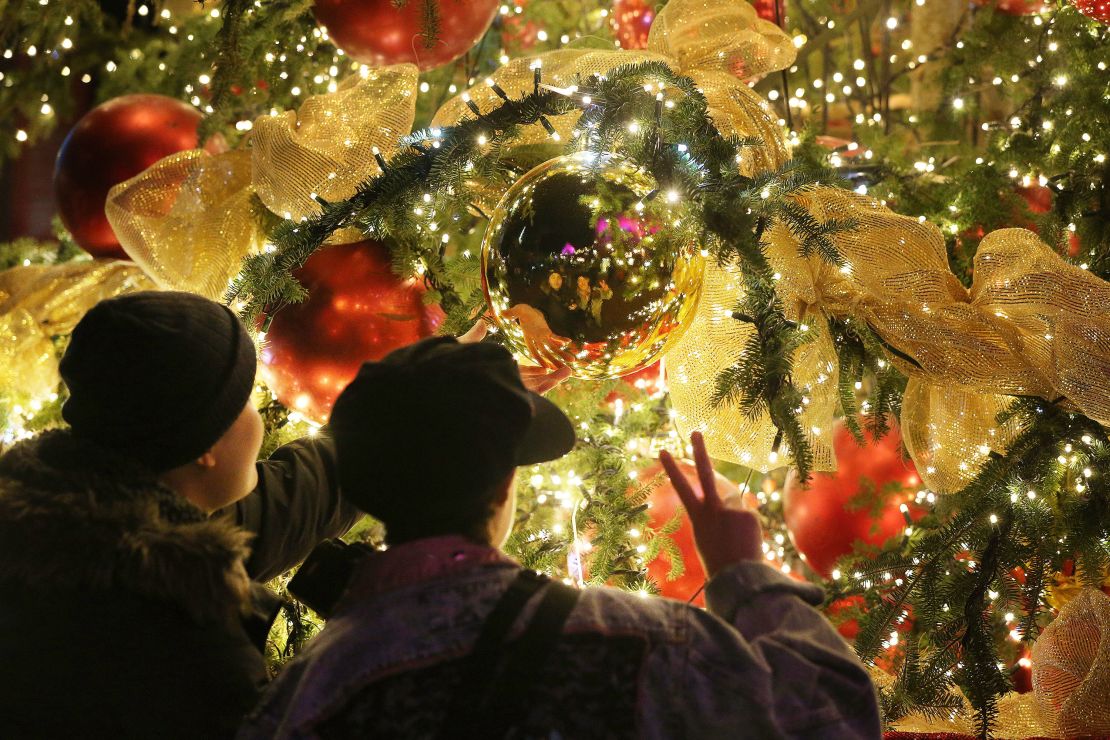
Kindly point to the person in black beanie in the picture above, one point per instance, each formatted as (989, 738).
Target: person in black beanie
(132, 543)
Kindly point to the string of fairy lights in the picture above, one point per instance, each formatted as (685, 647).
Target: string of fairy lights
(557, 489)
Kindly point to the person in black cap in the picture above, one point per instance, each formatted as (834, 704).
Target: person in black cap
(132, 543)
(442, 635)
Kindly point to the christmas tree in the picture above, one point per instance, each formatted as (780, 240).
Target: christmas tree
(870, 237)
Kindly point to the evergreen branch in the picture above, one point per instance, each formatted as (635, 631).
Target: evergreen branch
(228, 60)
(985, 683)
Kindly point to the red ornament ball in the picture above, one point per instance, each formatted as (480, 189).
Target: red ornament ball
(1099, 10)
(357, 310)
(1015, 7)
(1038, 199)
(1021, 673)
(378, 33)
(631, 21)
(516, 32)
(858, 503)
(664, 503)
(650, 379)
(765, 9)
(111, 143)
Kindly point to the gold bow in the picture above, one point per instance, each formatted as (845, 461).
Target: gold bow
(39, 302)
(1030, 324)
(1018, 716)
(191, 218)
(1071, 667)
(717, 43)
(1071, 679)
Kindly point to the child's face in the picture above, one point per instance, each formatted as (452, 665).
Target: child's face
(227, 472)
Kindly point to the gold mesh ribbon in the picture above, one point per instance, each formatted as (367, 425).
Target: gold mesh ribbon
(1065, 586)
(191, 218)
(1018, 717)
(1071, 668)
(1031, 324)
(712, 343)
(38, 302)
(718, 43)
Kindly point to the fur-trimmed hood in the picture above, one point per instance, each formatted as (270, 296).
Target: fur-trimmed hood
(74, 516)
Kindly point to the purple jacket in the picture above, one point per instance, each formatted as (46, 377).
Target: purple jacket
(761, 663)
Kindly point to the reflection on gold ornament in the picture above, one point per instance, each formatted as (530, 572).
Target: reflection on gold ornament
(588, 264)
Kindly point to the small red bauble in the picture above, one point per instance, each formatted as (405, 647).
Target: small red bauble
(1038, 199)
(631, 21)
(664, 503)
(111, 143)
(357, 310)
(1099, 10)
(516, 32)
(859, 502)
(650, 379)
(765, 9)
(378, 33)
(1021, 673)
(1015, 7)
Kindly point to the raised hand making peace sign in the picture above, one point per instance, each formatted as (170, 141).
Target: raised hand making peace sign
(724, 531)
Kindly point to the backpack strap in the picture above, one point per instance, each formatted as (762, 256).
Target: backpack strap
(488, 701)
(508, 705)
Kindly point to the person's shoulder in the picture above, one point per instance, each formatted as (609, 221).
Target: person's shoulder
(621, 612)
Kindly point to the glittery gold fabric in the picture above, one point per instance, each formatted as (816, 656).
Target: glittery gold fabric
(1065, 586)
(1071, 682)
(712, 343)
(191, 218)
(1031, 324)
(718, 43)
(1018, 717)
(1071, 668)
(38, 302)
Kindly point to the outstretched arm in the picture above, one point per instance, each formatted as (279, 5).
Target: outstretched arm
(817, 687)
(295, 506)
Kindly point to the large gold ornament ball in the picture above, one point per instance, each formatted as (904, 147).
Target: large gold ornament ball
(587, 263)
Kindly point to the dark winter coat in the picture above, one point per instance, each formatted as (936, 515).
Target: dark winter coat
(124, 610)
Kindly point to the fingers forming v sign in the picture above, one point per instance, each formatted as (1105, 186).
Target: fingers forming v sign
(725, 535)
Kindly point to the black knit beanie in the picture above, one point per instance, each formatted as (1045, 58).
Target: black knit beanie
(158, 376)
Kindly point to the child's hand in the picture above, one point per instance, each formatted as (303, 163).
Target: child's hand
(541, 379)
(474, 334)
(536, 379)
(725, 535)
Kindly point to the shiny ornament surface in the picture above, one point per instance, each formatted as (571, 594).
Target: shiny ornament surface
(631, 21)
(357, 310)
(1099, 10)
(111, 143)
(582, 269)
(858, 503)
(378, 33)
